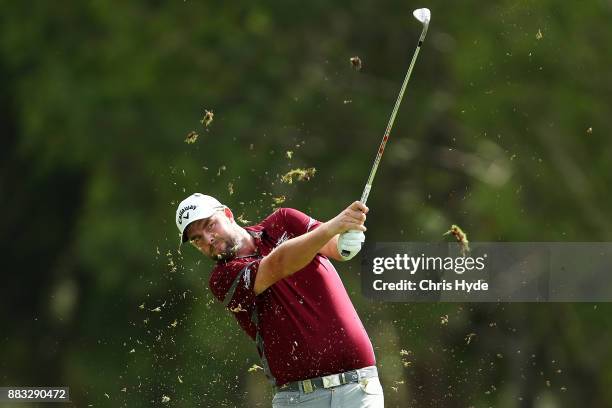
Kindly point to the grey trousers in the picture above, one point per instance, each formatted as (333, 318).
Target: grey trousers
(367, 393)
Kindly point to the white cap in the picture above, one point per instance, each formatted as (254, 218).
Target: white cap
(195, 207)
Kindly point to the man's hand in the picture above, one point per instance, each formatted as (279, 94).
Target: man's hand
(349, 224)
(352, 218)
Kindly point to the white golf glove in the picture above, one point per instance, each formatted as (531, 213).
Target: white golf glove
(349, 243)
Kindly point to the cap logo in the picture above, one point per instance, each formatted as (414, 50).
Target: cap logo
(182, 211)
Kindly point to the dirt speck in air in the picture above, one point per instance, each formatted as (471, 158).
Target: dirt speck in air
(237, 309)
(242, 220)
(279, 200)
(192, 137)
(461, 238)
(539, 34)
(208, 118)
(298, 174)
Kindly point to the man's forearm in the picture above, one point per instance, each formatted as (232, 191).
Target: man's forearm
(330, 249)
(294, 254)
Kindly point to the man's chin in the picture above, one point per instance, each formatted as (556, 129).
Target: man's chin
(223, 256)
(228, 254)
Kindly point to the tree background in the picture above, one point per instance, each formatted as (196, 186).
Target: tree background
(503, 130)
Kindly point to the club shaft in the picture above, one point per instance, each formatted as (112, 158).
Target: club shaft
(383, 143)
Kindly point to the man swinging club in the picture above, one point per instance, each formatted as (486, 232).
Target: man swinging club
(276, 279)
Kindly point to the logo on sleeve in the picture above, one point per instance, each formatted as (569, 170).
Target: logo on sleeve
(282, 238)
(311, 222)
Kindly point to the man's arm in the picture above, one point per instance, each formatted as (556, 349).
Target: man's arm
(294, 254)
(330, 249)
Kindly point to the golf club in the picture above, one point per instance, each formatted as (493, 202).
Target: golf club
(424, 16)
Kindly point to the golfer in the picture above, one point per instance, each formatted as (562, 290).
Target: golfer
(277, 280)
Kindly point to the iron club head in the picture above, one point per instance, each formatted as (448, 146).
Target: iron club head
(423, 15)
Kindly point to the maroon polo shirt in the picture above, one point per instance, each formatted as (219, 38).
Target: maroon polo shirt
(305, 324)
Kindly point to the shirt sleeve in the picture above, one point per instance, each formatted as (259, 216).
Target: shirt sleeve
(297, 222)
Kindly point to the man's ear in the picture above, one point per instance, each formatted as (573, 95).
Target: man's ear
(228, 213)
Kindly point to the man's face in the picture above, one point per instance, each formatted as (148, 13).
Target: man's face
(216, 236)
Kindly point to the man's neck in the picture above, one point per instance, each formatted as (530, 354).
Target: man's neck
(247, 244)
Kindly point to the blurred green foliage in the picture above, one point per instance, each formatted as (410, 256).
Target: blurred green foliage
(504, 130)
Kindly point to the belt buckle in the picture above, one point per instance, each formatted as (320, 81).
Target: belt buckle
(307, 386)
(331, 381)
